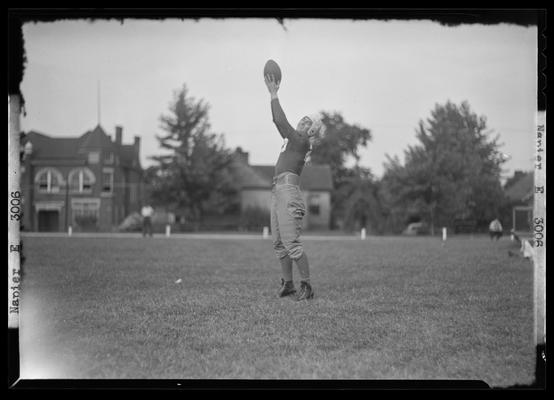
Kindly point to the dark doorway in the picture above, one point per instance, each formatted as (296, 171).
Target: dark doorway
(48, 221)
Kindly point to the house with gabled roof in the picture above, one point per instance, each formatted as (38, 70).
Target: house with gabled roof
(520, 192)
(86, 183)
(316, 184)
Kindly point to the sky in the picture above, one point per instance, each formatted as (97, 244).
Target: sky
(385, 76)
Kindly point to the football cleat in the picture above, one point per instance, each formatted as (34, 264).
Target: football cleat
(287, 288)
(306, 292)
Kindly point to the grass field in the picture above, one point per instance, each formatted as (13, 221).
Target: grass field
(385, 308)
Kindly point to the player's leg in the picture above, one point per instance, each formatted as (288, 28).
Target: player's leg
(287, 283)
(286, 268)
(290, 212)
(306, 290)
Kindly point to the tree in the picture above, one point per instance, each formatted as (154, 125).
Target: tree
(361, 203)
(193, 178)
(453, 173)
(341, 142)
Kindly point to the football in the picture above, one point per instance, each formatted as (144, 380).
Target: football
(272, 68)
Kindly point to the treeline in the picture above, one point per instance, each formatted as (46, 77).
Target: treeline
(453, 173)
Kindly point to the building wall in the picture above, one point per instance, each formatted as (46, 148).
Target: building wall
(136, 190)
(111, 211)
(35, 200)
(256, 198)
(320, 200)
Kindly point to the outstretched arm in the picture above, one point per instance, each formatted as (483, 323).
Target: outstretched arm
(279, 118)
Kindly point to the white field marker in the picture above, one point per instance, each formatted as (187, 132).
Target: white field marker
(363, 234)
(265, 232)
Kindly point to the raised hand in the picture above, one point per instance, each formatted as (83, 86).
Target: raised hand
(271, 84)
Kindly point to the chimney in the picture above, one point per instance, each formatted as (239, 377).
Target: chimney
(137, 144)
(118, 135)
(241, 155)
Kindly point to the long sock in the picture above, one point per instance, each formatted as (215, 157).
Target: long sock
(286, 268)
(303, 268)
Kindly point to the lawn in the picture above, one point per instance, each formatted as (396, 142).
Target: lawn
(385, 308)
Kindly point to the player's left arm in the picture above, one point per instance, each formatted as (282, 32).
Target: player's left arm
(279, 117)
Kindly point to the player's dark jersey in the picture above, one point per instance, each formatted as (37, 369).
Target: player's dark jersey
(296, 144)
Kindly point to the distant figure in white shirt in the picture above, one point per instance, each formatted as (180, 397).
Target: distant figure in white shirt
(495, 229)
(146, 213)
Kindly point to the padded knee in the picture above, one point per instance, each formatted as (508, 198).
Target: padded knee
(280, 250)
(296, 251)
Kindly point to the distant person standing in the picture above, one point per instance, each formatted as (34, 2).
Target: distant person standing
(146, 213)
(495, 229)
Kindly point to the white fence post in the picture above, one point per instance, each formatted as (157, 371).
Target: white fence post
(167, 230)
(363, 234)
(69, 230)
(443, 234)
(265, 233)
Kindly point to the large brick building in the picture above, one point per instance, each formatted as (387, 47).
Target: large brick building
(88, 183)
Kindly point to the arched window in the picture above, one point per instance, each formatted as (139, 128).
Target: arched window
(81, 180)
(49, 180)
